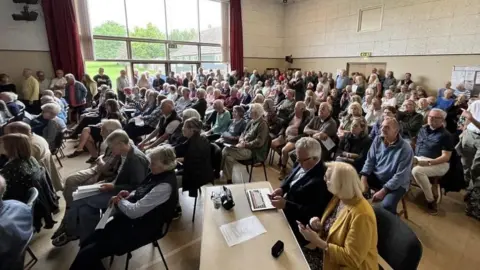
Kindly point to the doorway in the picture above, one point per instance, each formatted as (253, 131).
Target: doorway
(366, 68)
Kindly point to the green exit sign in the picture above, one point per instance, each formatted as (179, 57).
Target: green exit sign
(365, 54)
(172, 46)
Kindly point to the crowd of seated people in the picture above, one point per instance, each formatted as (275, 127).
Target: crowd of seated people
(349, 138)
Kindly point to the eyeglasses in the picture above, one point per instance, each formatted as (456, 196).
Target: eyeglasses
(435, 117)
(304, 160)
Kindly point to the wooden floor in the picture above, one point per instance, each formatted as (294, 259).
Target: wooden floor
(450, 240)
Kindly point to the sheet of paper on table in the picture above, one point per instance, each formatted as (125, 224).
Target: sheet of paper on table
(242, 230)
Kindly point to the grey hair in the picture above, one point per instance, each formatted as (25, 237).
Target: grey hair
(53, 107)
(190, 113)
(329, 107)
(48, 93)
(10, 95)
(291, 91)
(201, 92)
(111, 124)
(3, 186)
(312, 146)
(117, 136)
(70, 76)
(218, 102)
(47, 99)
(257, 109)
(163, 154)
(444, 114)
(193, 124)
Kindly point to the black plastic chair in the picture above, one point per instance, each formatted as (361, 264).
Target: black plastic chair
(31, 200)
(397, 243)
(164, 232)
(58, 147)
(251, 162)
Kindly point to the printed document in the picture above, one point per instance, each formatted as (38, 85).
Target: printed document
(242, 230)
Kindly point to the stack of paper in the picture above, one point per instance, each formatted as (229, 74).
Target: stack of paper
(86, 191)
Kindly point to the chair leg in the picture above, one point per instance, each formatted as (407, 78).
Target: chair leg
(265, 171)
(61, 152)
(404, 205)
(129, 256)
(246, 167)
(250, 174)
(194, 209)
(161, 254)
(34, 259)
(58, 159)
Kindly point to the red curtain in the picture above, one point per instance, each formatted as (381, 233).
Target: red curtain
(236, 37)
(63, 37)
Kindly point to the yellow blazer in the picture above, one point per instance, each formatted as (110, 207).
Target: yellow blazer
(352, 239)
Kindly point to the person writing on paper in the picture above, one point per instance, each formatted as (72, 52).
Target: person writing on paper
(252, 143)
(82, 216)
(140, 214)
(348, 223)
(168, 123)
(303, 194)
(323, 126)
(388, 166)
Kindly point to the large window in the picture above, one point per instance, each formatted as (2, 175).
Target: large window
(157, 31)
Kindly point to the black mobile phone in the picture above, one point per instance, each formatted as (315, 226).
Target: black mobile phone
(277, 249)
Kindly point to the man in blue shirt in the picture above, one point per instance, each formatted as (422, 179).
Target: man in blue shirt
(16, 226)
(432, 154)
(388, 166)
(342, 80)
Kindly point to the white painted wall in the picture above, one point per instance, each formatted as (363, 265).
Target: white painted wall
(328, 28)
(21, 35)
(263, 23)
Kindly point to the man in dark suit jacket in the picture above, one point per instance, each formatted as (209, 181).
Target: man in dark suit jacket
(303, 194)
(201, 104)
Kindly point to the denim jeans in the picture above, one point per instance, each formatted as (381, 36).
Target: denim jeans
(392, 198)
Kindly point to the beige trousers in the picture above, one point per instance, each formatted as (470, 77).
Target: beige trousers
(421, 174)
(230, 155)
(80, 178)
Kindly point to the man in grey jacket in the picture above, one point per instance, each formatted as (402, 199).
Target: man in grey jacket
(82, 216)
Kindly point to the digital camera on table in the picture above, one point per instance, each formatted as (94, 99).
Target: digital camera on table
(224, 198)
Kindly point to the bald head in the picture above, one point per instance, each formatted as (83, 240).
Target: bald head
(18, 127)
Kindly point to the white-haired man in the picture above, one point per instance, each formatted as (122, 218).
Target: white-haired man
(252, 143)
(30, 92)
(184, 102)
(342, 80)
(432, 155)
(16, 228)
(75, 95)
(82, 216)
(303, 194)
(9, 99)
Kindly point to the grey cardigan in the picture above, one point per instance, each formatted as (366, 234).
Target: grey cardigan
(134, 170)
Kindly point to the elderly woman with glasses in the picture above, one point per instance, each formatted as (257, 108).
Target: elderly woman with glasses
(354, 146)
(47, 124)
(140, 214)
(348, 223)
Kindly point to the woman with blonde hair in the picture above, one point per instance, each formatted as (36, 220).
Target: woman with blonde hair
(310, 102)
(143, 82)
(375, 85)
(358, 87)
(91, 86)
(20, 168)
(348, 223)
(354, 111)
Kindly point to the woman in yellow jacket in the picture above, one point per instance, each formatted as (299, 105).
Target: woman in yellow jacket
(347, 232)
